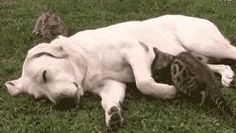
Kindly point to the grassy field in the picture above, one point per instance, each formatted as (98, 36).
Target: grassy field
(142, 113)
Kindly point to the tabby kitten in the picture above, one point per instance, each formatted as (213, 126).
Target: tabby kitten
(190, 76)
(49, 26)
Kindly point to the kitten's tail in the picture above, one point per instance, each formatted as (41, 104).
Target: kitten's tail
(222, 104)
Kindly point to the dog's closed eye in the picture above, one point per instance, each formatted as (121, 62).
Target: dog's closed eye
(44, 76)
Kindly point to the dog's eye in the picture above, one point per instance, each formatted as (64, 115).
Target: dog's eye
(44, 76)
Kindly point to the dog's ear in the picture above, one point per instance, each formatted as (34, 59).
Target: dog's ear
(55, 51)
(14, 87)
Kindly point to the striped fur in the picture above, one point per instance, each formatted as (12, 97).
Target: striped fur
(191, 78)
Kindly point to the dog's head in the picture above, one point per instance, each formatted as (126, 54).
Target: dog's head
(48, 72)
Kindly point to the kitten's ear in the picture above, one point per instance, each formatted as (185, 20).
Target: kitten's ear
(156, 51)
(45, 17)
(48, 13)
(56, 18)
(171, 56)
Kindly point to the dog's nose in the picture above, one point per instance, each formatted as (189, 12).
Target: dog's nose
(67, 102)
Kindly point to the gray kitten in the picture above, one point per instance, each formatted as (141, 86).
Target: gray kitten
(49, 26)
(190, 76)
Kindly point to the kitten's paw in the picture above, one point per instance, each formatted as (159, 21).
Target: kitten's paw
(35, 32)
(116, 120)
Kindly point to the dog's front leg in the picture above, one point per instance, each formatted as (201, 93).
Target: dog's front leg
(112, 94)
(139, 61)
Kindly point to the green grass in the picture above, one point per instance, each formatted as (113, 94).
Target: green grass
(142, 113)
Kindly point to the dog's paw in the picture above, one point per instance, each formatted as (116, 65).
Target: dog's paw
(227, 78)
(116, 119)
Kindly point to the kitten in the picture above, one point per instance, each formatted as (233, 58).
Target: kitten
(49, 26)
(190, 76)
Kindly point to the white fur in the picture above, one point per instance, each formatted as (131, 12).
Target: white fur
(103, 60)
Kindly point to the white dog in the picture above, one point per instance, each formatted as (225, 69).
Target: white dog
(103, 60)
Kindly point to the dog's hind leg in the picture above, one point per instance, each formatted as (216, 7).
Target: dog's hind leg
(212, 43)
(219, 48)
(227, 74)
(112, 94)
(140, 63)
